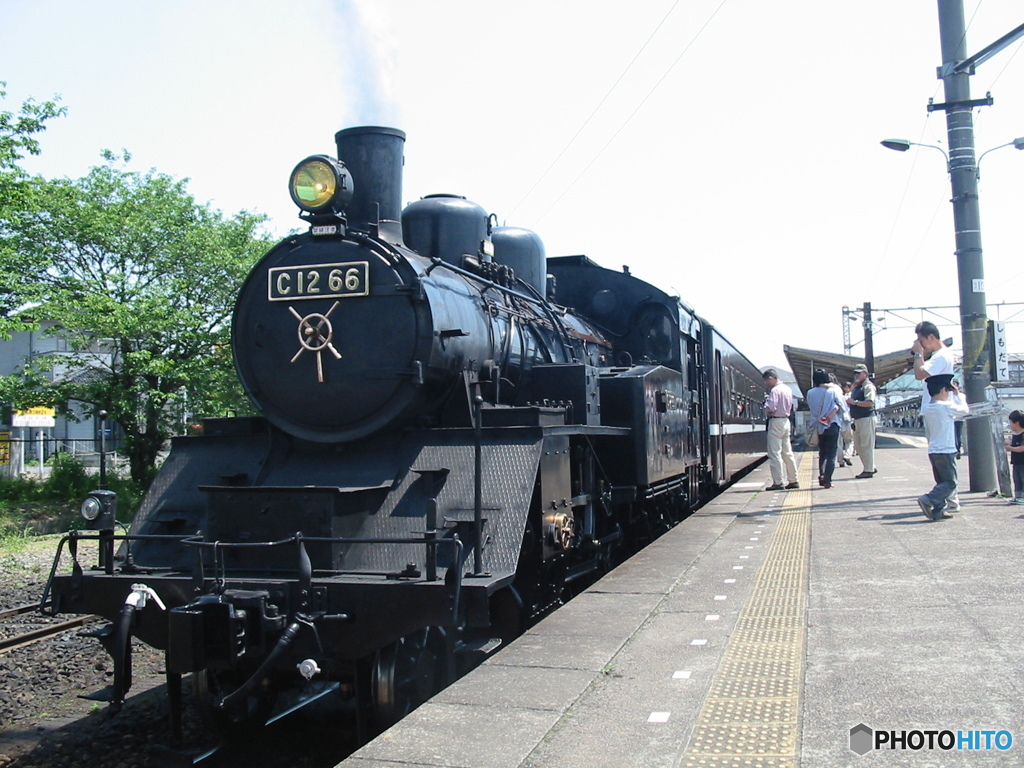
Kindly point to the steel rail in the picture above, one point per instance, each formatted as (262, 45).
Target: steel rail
(35, 635)
(18, 610)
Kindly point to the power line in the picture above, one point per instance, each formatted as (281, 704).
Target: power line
(631, 114)
(594, 112)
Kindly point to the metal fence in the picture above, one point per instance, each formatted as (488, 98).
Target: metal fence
(36, 455)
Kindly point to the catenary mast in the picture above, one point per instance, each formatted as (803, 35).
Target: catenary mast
(956, 68)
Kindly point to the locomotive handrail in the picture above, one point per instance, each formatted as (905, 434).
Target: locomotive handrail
(437, 262)
(547, 307)
(192, 540)
(559, 328)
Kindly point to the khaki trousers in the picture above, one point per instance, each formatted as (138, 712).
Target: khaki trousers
(780, 452)
(864, 434)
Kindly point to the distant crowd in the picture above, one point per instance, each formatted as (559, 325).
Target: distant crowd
(842, 425)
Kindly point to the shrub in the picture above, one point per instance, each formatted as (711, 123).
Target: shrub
(69, 482)
(68, 478)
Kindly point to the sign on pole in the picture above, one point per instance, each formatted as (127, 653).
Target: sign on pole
(1001, 369)
(34, 417)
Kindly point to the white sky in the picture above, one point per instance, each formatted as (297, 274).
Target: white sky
(737, 162)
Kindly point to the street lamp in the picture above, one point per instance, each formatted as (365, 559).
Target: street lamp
(1017, 143)
(902, 145)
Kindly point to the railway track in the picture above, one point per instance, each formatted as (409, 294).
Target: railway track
(14, 638)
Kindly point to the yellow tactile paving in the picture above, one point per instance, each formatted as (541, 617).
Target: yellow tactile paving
(751, 717)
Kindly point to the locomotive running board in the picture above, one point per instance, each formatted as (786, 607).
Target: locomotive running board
(306, 699)
(180, 758)
(479, 648)
(176, 758)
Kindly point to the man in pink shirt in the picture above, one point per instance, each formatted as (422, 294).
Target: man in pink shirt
(778, 406)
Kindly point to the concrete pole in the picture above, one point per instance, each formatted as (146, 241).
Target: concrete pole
(967, 222)
(869, 340)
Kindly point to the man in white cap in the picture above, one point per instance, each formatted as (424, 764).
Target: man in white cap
(862, 409)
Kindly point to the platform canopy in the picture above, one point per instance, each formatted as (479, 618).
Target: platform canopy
(804, 361)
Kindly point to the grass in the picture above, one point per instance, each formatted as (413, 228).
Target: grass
(31, 508)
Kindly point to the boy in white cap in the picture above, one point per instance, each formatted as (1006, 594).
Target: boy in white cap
(945, 406)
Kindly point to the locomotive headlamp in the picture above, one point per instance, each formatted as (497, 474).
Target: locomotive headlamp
(320, 184)
(99, 510)
(91, 509)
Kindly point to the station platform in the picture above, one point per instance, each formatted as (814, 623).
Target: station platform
(814, 628)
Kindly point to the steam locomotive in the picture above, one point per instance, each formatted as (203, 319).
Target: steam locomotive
(456, 433)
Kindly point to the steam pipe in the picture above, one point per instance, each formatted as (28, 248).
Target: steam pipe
(253, 682)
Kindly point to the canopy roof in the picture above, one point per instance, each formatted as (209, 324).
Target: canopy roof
(804, 361)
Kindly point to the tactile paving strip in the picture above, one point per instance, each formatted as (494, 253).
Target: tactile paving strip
(751, 717)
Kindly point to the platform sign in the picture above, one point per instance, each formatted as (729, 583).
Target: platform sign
(34, 417)
(1001, 357)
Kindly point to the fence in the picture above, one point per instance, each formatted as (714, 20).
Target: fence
(33, 455)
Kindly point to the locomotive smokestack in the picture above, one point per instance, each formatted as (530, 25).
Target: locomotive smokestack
(373, 155)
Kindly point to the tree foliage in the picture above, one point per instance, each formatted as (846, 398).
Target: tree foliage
(18, 138)
(140, 281)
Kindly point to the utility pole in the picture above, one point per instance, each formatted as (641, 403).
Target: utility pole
(847, 344)
(955, 70)
(869, 340)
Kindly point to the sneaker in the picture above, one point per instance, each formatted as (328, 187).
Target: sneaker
(1018, 500)
(865, 474)
(952, 508)
(793, 486)
(926, 506)
(775, 487)
(943, 515)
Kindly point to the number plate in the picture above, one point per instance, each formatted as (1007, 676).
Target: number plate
(319, 281)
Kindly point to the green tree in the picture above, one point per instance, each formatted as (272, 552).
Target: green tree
(140, 281)
(18, 132)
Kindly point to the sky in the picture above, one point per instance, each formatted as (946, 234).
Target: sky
(726, 150)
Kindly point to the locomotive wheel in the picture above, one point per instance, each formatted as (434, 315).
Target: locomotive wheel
(407, 673)
(210, 687)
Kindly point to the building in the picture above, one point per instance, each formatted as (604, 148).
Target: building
(78, 432)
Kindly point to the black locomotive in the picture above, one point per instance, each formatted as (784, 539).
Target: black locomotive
(456, 432)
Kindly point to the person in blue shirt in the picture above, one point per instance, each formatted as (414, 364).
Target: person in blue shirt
(825, 406)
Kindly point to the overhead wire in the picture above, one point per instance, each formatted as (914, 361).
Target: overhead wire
(909, 266)
(595, 110)
(882, 259)
(991, 85)
(631, 114)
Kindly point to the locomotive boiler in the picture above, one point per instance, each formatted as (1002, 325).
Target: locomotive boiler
(456, 432)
